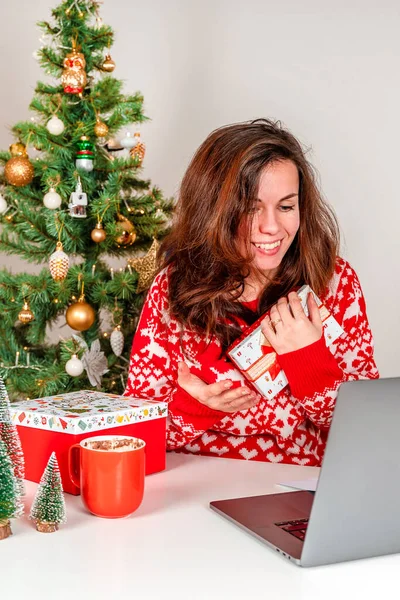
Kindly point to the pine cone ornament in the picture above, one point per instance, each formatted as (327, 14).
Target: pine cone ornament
(59, 263)
(139, 149)
(117, 341)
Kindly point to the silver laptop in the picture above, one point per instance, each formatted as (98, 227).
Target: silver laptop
(355, 511)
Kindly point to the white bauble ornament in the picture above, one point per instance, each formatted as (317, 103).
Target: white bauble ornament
(55, 126)
(52, 200)
(3, 205)
(129, 141)
(74, 366)
(117, 341)
(84, 163)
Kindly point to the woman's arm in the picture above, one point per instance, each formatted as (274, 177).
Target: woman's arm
(153, 373)
(316, 372)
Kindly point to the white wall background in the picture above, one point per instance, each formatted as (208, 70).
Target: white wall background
(329, 71)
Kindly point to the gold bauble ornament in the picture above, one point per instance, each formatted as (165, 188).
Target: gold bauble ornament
(80, 315)
(145, 267)
(98, 234)
(139, 150)
(59, 263)
(108, 64)
(19, 170)
(18, 149)
(100, 129)
(126, 234)
(25, 315)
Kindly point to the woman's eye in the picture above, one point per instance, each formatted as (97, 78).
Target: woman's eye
(287, 208)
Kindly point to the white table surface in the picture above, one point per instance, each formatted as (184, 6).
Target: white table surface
(174, 546)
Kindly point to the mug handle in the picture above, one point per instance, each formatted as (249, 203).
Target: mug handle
(74, 465)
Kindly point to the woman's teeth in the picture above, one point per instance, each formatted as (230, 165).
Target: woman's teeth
(268, 246)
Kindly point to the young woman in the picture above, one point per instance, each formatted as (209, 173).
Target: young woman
(251, 227)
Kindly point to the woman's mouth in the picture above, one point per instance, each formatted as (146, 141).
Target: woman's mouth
(268, 248)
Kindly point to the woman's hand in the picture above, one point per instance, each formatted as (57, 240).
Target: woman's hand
(217, 396)
(288, 328)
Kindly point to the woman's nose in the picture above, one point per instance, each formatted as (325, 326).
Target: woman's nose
(268, 222)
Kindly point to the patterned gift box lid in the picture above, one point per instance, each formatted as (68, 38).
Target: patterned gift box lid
(83, 411)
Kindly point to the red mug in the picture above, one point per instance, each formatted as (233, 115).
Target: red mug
(110, 474)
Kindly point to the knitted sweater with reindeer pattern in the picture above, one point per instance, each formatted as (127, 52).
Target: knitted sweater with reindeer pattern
(290, 428)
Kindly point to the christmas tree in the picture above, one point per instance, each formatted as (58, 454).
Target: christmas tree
(71, 198)
(48, 507)
(9, 436)
(11, 505)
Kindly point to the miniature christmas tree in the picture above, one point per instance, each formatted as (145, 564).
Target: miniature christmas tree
(48, 508)
(11, 505)
(68, 194)
(9, 436)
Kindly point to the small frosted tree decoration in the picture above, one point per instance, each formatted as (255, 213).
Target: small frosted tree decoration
(9, 435)
(48, 508)
(11, 505)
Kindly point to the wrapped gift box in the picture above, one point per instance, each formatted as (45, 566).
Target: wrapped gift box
(258, 361)
(55, 423)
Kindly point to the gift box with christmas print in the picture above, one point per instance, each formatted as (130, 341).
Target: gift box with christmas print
(258, 361)
(55, 423)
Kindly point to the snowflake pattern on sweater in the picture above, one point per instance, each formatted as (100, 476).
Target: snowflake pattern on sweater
(290, 428)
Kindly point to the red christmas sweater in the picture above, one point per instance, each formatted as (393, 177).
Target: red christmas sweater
(290, 428)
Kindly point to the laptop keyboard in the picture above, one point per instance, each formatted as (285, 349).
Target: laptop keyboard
(297, 528)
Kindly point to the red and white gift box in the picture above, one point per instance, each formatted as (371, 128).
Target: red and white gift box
(55, 423)
(258, 361)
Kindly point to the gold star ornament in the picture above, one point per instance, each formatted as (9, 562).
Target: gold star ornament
(145, 267)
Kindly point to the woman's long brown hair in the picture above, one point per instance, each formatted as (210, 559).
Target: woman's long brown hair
(206, 267)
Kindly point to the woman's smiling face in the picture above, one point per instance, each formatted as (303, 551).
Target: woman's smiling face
(275, 215)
